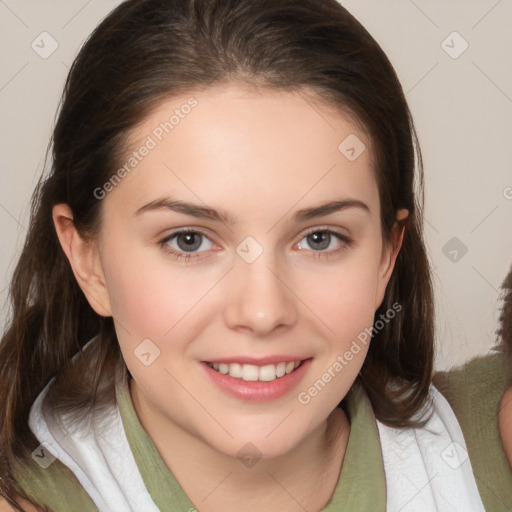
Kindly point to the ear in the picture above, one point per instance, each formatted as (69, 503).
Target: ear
(84, 259)
(390, 250)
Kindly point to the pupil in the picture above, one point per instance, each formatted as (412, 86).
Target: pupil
(321, 239)
(189, 241)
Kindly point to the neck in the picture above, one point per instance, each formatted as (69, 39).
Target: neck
(307, 475)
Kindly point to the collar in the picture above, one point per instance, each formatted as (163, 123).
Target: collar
(361, 486)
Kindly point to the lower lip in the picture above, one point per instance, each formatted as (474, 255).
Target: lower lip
(257, 391)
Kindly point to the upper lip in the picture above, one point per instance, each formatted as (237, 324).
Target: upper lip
(257, 361)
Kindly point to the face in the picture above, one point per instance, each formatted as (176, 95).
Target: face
(242, 258)
(505, 424)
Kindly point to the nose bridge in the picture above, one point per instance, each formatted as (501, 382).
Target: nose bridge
(260, 301)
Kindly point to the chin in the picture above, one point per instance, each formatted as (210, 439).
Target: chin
(259, 440)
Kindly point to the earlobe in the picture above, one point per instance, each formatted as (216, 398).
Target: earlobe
(389, 254)
(84, 259)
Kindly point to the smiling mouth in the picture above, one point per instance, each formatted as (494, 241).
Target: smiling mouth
(253, 373)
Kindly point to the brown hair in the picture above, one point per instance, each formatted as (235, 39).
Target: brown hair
(148, 50)
(505, 327)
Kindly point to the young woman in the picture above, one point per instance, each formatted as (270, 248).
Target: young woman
(480, 393)
(224, 301)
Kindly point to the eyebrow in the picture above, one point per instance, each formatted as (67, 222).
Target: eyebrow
(204, 212)
(194, 210)
(330, 207)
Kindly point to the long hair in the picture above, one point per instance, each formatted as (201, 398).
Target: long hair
(146, 51)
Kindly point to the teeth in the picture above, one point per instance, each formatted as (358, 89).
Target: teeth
(268, 373)
(253, 373)
(250, 372)
(235, 370)
(281, 370)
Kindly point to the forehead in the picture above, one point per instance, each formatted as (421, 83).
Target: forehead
(249, 108)
(247, 144)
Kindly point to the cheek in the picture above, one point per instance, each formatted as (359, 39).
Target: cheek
(505, 424)
(343, 297)
(152, 304)
(345, 314)
(140, 301)
(149, 294)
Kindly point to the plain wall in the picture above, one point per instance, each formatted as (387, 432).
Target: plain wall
(461, 103)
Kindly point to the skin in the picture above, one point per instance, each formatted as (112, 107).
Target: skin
(505, 424)
(29, 507)
(260, 156)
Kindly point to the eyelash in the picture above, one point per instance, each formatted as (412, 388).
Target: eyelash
(180, 255)
(346, 243)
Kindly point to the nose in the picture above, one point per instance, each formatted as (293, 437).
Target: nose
(260, 301)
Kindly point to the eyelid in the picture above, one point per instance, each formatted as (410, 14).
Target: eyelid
(326, 227)
(184, 230)
(329, 229)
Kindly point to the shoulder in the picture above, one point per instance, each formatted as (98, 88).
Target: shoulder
(476, 388)
(55, 485)
(434, 447)
(491, 367)
(474, 391)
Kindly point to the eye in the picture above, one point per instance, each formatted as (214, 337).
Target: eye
(324, 240)
(186, 243)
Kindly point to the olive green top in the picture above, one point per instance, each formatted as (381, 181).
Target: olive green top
(474, 392)
(361, 485)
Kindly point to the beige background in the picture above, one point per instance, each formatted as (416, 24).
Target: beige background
(461, 102)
